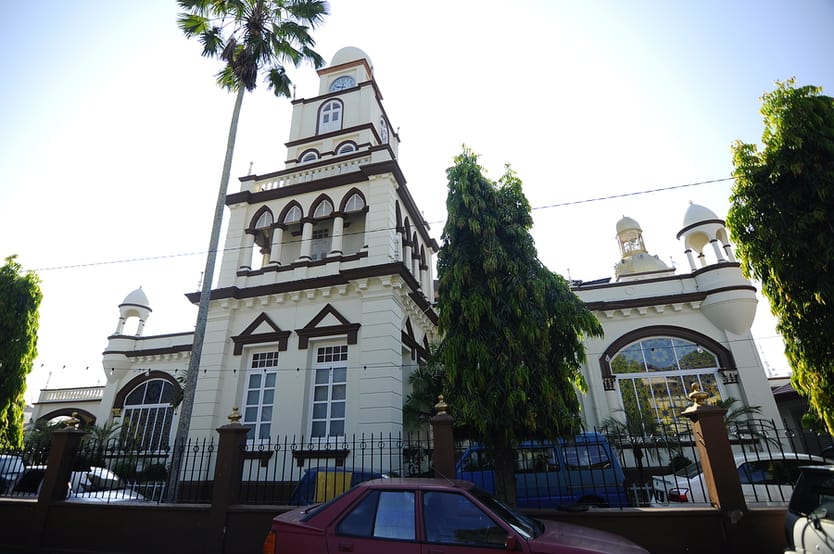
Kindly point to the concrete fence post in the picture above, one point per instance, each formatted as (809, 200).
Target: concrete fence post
(443, 455)
(55, 483)
(718, 464)
(713, 441)
(228, 474)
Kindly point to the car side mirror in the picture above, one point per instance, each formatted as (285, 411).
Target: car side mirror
(816, 516)
(511, 544)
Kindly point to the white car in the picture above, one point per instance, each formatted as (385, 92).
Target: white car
(95, 484)
(766, 478)
(809, 521)
(11, 466)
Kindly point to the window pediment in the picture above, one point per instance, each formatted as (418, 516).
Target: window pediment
(261, 330)
(327, 323)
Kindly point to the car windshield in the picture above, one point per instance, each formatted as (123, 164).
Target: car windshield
(689, 471)
(523, 525)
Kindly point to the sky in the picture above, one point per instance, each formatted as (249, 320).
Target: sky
(112, 134)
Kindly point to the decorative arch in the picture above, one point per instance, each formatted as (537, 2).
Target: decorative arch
(309, 156)
(86, 417)
(419, 351)
(399, 216)
(289, 212)
(263, 219)
(346, 147)
(725, 357)
(653, 369)
(348, 199)
(317, 203)
(330, 116)
(119, 400)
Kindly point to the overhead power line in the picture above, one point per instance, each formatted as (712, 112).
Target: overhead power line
(544, 207)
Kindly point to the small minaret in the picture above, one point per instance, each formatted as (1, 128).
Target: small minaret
(135, 304)
(701, 227)
(636, 262)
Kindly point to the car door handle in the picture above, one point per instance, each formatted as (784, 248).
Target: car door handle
(345, 547)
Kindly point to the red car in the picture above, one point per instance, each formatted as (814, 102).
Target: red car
(421, 516)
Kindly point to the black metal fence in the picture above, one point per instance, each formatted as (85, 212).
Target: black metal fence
(606, 467)
(663, 468)
(300, 470)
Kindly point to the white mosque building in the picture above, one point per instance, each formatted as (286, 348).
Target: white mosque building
(324, 301)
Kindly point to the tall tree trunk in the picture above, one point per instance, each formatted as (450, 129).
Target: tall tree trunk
(190, 386)
(505, 474)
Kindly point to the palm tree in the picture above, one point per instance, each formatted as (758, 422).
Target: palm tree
(248, 36)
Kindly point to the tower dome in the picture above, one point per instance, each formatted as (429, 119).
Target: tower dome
(137, 298)
(702, 229)
(636, 262)
(696, 214)
(136, 305)
(350, 54)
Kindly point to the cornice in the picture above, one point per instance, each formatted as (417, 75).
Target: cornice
(344, 277)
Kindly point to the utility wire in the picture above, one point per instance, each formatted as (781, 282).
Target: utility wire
(547, 206)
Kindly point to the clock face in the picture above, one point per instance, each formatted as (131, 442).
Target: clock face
(343, 82)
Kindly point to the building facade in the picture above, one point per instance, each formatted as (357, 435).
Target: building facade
(324, 301)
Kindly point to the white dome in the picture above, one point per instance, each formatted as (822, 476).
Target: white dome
(349, 54)
(627, 224)
(137, 298)
(639, 264)
(696, 214)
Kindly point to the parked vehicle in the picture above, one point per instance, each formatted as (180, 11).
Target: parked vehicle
(94, 484)
(320, 484)
(809, 521)
(766, 478)
(583, 470)
(11, 466)
(413, 515)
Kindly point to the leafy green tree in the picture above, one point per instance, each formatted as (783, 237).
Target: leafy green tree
(512, 330)
(426, 385)
(20, 298)
(782, 217)
(248, 36)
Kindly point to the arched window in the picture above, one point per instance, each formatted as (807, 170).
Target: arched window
(355, 203)
(655, 375)
(330, 116)
(324, 209)
(263, 239)
(309, 156)
(346, 148)
(147, 415)
(293, 215)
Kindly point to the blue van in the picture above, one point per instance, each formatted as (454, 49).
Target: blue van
(582, 470)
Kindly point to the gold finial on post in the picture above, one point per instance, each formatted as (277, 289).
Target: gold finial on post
(73, 421)
(235, 416)
(698, 396)
(441, 406)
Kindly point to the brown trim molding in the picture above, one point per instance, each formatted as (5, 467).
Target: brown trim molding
(662, 300)
(725, 358)
(119, 400)
(152, 351)
(312, 330)
(698, 224)
(247, 336)
(85, 416)
(344, 277)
